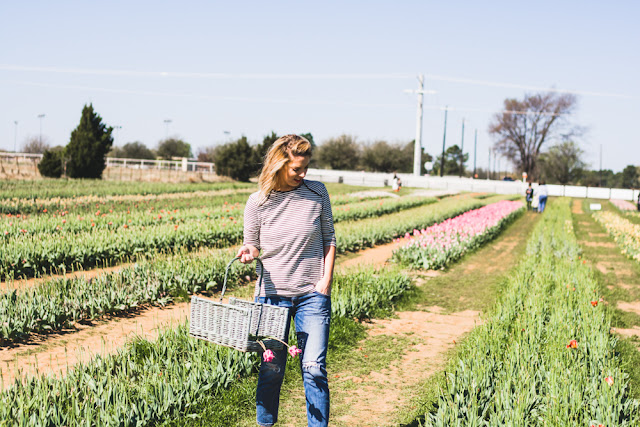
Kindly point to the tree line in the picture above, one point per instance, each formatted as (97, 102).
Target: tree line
(535, 134)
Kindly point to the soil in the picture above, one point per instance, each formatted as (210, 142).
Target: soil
(576, 207)
(377, 256)
(633, 307)
(378, 395)
(55, 353)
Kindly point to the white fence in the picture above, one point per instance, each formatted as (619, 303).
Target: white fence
(20, 156)
(376, 179)
(185, 165)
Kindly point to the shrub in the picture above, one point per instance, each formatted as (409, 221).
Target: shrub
(51, 163)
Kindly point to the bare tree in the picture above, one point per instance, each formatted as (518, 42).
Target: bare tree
(35, 145)
(525, 126)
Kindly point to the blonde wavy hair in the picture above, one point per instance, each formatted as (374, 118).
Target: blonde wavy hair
(277, 158)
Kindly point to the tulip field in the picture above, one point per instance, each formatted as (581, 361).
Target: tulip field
(545, 355)
(624, 232)
(542, 355)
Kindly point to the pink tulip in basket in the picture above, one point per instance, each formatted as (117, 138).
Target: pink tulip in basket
(243, 325)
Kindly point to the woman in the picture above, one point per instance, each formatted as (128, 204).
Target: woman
(529, 196)
(542, 196)
(395, 183)
(289, 220)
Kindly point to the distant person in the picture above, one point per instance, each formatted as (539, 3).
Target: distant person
(542, 196)
(639, 202)
(395, 183)
(529, 196)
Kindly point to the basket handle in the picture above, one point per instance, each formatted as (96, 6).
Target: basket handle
(226, 274)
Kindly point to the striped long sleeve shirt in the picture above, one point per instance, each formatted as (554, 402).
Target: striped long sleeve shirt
(291, 229)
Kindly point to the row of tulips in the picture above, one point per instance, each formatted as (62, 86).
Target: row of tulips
(57, 253)
(85, 205)
(357, 235)
(150, 382)
(59, 303)
(544, 355)
(51, 188)
(22, 226)
(151, 212)
(29, 256)
(375, 208)
(26, 197)
(33, 197)
(623, 205)
(624, 232)
(440, 244)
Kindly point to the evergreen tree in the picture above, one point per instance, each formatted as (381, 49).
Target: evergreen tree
(90, 142)
(235, 160)
(452, 158)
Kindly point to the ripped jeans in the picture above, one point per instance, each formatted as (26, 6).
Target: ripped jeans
(312, 315)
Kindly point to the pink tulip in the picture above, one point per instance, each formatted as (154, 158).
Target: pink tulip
(294, 351)
(268, 356)
(609, 380)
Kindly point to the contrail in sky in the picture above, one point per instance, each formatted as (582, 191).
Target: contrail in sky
(293, 76)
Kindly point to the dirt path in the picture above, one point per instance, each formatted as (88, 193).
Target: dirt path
(55, 353)
(380, 394)
(377, 256)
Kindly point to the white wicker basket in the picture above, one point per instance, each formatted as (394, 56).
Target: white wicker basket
(239, 324)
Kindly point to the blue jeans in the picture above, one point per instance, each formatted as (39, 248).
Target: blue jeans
(542, 201)
(312, 315)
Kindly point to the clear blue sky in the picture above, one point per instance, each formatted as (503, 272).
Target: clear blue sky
(250, 67)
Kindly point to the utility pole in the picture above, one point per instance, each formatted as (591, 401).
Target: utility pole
(15, 135)
(489, 164)
(444, 138)
(600, 165)
(494, 162)
(417, 149)
(41, 116)
(166, 130)
(117, 129)
(462, 150)
(475, 150)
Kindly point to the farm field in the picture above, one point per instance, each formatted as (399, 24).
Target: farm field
(469, 284)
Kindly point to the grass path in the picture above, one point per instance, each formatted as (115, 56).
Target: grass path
(619, 277)
(390, 375)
